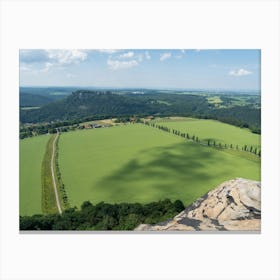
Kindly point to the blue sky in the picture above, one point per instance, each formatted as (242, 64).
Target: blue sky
(186, 69)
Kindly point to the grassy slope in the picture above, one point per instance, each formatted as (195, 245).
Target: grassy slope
(31, 156)
(48, 196)
(135, 163)
(214, 130)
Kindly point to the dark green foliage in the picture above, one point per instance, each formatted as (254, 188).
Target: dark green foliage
(83, 104)
(104, 216)
(62, 192)
(32, 100)
(242, 116)
(179, 206)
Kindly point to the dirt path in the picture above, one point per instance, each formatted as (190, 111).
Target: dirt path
(53, 176)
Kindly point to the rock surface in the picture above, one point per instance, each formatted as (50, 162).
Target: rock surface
(233, 205)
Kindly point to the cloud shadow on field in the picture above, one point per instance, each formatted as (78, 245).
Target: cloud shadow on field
(177, 164)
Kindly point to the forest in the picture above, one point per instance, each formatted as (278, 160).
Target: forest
(83, 104)
(104, 216)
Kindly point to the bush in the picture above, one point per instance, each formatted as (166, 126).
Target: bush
(104, 216)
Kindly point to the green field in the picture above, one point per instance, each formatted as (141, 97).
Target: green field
(136, 163)
(213, 130)
(31, 155)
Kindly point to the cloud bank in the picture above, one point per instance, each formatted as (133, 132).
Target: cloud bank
(239, 72)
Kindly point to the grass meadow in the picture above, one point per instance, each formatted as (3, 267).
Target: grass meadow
(32, 151)
(136, 163)
(214, 131)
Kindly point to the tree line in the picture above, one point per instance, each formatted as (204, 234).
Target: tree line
(30, 130)
(62, 192)
(104, 216)
(82, 104)
(210, 143)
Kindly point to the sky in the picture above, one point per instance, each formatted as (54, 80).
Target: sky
(140, 68)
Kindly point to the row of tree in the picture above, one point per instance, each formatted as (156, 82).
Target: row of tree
(61, 185)
(209, 142)
(104, 216)
(29, 130)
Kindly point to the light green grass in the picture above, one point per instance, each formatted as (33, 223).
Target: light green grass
(136, 163)
(31, 155)
(215, 131)
(48, 195)
(214, 100)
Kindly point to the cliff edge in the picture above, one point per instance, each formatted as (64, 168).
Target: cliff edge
(233, 205)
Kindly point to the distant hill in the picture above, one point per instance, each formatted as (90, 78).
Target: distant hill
(46, 91)
(30, 100)
(85, 103)
(36, 96)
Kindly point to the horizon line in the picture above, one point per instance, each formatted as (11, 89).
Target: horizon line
(143, 88)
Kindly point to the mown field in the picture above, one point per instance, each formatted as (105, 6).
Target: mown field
(31, 155)
(136, 163)
(213, 130)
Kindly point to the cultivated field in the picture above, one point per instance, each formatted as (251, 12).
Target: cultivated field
(31, 155)
(136, 163)
(213, 130)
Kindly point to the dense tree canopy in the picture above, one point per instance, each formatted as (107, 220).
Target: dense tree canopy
(104, 216)
(82, 104)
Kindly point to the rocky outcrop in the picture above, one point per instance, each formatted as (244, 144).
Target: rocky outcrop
(233, 205)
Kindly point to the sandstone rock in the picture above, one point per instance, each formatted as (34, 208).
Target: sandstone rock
(233, 205)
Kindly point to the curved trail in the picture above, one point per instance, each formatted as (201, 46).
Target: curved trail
(53, 176)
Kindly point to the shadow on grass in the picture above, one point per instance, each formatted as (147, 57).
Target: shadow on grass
(168, 171)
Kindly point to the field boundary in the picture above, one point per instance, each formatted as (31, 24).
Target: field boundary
(61, 187)
(50, 179)
(218, 146)
(53, 174)
(48, 195)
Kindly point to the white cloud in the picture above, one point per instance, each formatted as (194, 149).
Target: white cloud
(47, 67)
(126, 55)
(109, 51)
(62, 57)
(147, 55)
(164, 56)
(121, 64)
(239, 72)
(183, 51)
(178, 56)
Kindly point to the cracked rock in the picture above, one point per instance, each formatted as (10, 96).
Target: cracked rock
(233, 205)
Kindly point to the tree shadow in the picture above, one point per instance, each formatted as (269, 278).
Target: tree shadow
(163, 172)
